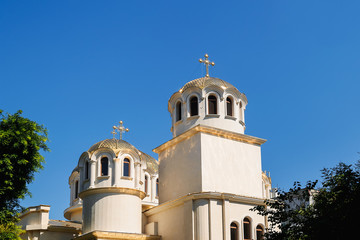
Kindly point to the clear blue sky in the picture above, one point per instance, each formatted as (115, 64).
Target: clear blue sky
(79, 67)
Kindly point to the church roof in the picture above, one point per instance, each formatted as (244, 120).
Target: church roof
(117, 145)
(207, 81)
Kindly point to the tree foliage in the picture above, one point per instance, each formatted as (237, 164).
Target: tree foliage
(20, 143)
(333, 214)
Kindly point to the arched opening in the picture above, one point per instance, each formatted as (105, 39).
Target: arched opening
(146, 184)
(234, 231)
(104, 166)
(178, 111)
(259, 232)
(229, 107)
(76, 189)
(212, 103)
(194, 106)
(126, 172)
(86, 169)
(247, 229)
(157, 187)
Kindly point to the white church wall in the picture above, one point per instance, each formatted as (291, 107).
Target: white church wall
(230, 166)
(179, 169)
(174, 223)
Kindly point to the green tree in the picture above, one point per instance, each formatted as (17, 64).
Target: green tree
(333, 214)
(20, 143)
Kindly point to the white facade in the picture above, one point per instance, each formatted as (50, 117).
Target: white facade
(202, 187)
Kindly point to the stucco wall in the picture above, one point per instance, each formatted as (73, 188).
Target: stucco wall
(230, 166)
(112, 212)
(179, 169)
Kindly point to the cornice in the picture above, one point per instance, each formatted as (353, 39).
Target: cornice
(116, 235)
(211, 131)
(119, 190)
(205, 195)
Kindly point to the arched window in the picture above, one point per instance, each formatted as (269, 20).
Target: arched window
(86, 169)
(157, 187)
(126, 172)
(234, 231)
(247, 229)
(146, 184)
(229, 107)
(194, 106)
(76, 189)
(104, 166)
(212, 103)
(178, 111)
(259, 233)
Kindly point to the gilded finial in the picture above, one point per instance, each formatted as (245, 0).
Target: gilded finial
(207, 63)
(120, 129)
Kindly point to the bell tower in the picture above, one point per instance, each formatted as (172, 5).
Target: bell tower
(209, 151)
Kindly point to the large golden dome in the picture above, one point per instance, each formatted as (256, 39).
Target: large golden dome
(117, 145)
(207, 81)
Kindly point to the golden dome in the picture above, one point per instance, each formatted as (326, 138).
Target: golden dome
(207, 81)
(117, 145)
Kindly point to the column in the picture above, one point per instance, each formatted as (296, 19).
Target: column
(92, 173)
(117, 173)
(153, 188)
(137, 175)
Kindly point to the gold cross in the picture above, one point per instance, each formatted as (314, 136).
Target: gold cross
(207, 63)
(120, 129)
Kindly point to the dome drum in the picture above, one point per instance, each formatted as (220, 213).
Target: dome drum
(207, 101)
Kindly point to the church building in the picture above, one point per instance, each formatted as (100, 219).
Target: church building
(202, 186)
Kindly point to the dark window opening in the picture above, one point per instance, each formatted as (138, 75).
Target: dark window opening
(234, 231)
(146, 184)
(76, 189)
(104, 166)
(229, 107)
(259, 233)
(212, 102)
(157, 187)
(247, 229)
(87, 170)
(178, 111)
(194, 108)
(126, 167)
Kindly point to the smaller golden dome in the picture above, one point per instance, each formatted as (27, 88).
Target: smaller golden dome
(117, 145)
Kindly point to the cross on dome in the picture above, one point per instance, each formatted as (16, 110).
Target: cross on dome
(120, 129)
(207, 63)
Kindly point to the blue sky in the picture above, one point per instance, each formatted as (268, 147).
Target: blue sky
(79, 67)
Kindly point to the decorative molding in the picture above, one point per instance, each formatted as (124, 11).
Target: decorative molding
(116, 235)
(230, 117)
(119, 190)
(205, 195)
(211, 131)
(126, 178)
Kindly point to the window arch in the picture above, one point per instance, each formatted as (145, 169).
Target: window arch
(86, 169)
(126, 167)
(229, 106)
(104, 166)
(234, 231)
(146, 184)
(178, 111)
(157, 187)
(247, 229)
(76, 189)
(194, 106)
(259, 232)
(212, 104)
